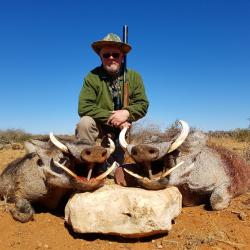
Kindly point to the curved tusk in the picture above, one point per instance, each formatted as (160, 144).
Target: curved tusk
(122, 139)
(133, 174)
(111, 148)
(105, 174)
(58, 144)
(170, 171)
(181, 138)
(65, 169)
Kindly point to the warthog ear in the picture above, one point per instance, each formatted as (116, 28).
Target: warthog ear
(33, 146)
(75, 149)
(43, 150)
(29, 147)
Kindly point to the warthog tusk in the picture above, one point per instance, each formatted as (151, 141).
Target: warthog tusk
(105, 174)
(65, 169)
(89, 174)
(100, 177)
(57, 143)
(155, 179)
(122, 139)
(133, 174)
(170, 170)
(181, 138)
(111, 148)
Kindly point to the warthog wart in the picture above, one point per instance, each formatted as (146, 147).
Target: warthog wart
(201, 171)
(51, 169)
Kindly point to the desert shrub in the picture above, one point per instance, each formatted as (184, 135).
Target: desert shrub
(45, 137)
(140, 133)
(152, 133)
(240, 135)
(13, 136)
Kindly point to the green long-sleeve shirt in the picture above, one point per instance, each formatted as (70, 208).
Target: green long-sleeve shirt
(95, 99)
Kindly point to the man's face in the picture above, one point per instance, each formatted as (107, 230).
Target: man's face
(111, 59)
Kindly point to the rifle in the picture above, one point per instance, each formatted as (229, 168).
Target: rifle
(125, 83)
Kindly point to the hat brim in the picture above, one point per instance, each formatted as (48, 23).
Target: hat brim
(97, 46)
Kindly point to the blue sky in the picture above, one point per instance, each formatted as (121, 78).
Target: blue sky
(194, 57)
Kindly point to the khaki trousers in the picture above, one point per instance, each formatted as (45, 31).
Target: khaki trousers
(88, 130)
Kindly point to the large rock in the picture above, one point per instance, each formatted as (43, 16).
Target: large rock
(129, 212)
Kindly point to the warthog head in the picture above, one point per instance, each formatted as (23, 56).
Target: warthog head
(200, 169)
(50, 171)
(73, 163)
(154, 160)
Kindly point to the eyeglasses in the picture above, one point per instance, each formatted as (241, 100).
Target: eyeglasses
(115, 55)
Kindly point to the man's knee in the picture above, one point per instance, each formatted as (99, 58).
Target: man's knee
(86, 122)
(86, 128)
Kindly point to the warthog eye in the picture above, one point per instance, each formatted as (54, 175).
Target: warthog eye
(134, 151)
(152, 151)
(39, 162)
(87, 152)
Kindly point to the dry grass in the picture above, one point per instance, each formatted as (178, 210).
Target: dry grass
(229, 143)
(237, 141)
(241, 148)
(240, 135)
(10, 136)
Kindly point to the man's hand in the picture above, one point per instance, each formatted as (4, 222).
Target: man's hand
(118, 117)
(125, 125)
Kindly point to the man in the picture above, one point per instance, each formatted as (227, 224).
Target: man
(101, 98)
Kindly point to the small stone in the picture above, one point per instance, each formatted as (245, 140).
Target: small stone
(242, 216)
(159, 246)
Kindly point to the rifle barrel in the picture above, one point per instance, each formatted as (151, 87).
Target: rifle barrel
(125, 84)
(125, 40)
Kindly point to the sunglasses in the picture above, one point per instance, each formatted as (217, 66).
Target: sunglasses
(115, 55)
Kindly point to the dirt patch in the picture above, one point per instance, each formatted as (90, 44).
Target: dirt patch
(195, 228)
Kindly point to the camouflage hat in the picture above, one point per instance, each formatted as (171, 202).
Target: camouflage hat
(111, 40)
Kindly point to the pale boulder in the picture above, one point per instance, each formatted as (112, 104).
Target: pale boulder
(128, 212)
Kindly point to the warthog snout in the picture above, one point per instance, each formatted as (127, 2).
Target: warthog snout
(142, 153)
(95, 154)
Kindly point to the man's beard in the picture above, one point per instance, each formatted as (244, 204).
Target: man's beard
(112, 69)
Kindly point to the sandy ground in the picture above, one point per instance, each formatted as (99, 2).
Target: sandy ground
(195, 228)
